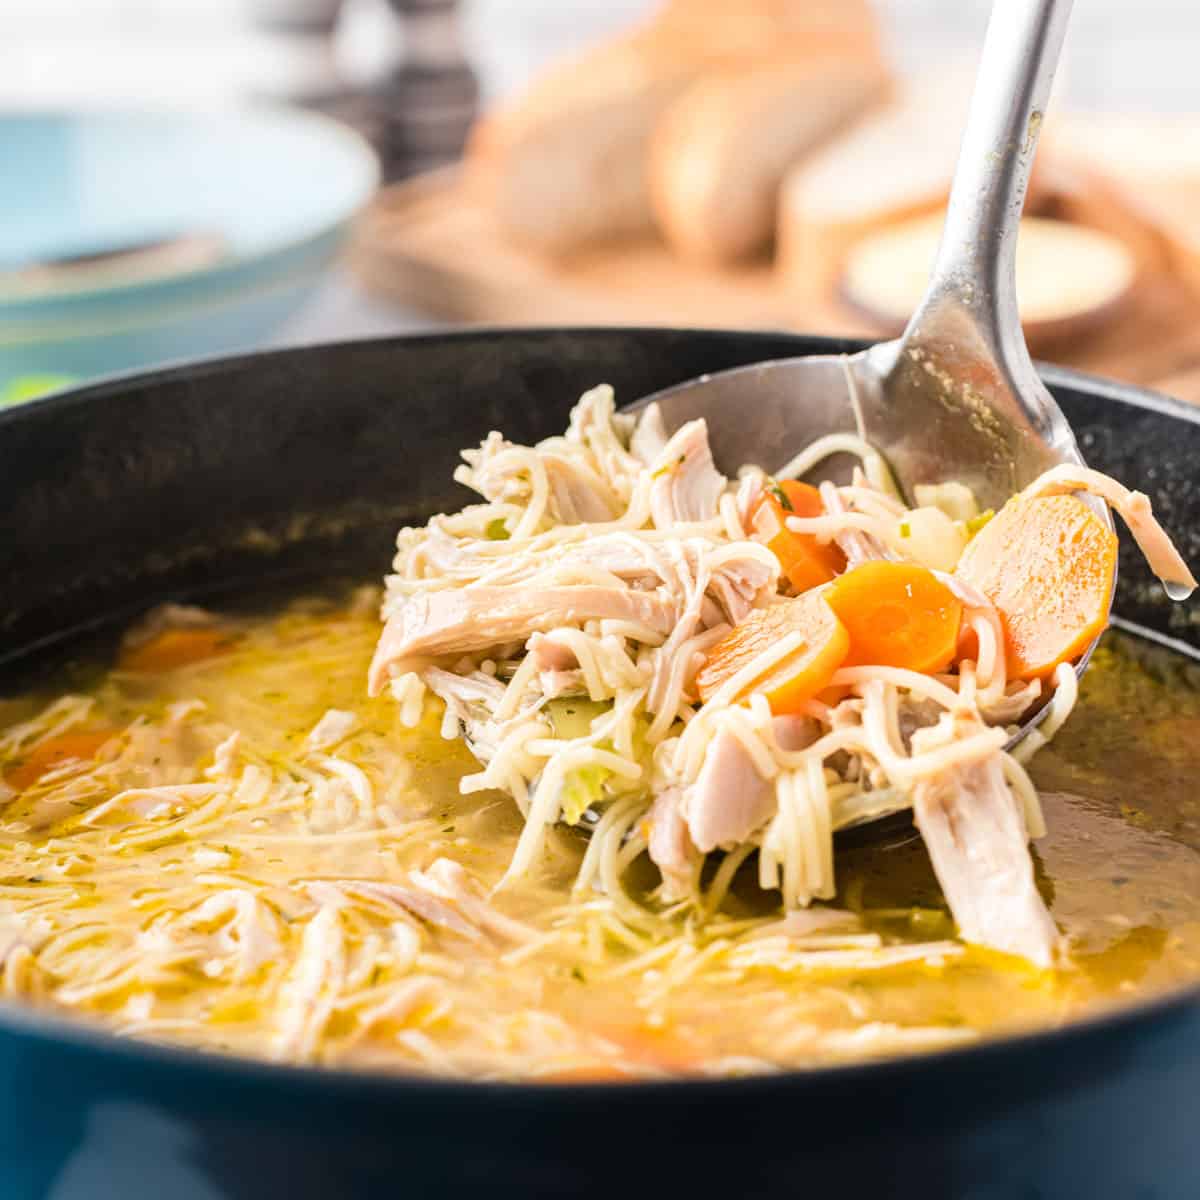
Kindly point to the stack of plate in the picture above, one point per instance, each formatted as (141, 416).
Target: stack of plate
(133, 238)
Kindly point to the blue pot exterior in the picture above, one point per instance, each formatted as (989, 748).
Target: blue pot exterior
(100, 486)
(1104, 1115)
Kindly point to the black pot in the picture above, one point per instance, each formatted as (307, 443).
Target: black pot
(236, 473)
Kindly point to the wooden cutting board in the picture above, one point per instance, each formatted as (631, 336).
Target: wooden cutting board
(428, 244)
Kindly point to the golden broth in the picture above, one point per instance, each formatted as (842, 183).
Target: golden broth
(227, 915)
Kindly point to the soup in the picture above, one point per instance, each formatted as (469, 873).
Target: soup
(570, 813)
(283, 898)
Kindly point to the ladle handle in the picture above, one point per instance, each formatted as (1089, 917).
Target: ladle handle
(975, 266)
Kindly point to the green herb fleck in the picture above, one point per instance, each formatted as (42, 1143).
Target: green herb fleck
(448, 829)
(497, 530)
(35, 879)
(780, 495)
(577, 974)
(905, 529)
(975, 524)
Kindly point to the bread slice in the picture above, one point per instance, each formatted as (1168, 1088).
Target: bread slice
(895, 164)
(1136, 176)
(1069, 279)
(566, 163)
(814, 28)
(722, 148)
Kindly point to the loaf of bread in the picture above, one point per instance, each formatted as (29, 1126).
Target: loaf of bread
(1138, 177)
(566, 163)
(722, 148)
(748, 28)
(895, 164)
(1070, 279)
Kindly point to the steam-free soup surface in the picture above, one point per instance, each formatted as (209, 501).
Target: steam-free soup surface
(217, 840)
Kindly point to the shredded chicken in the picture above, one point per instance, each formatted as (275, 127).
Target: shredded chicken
(669, 844)
(649, 436)
(622, 557)
(457, 622)
(1163, 559)
(686, 486)
(311, 990)
(470, 702)
(977, 841)
(447, 880)
(729, 799)
(242, 928)
(335, 726)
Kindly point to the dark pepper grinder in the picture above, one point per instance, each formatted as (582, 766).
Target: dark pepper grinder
(427, 102)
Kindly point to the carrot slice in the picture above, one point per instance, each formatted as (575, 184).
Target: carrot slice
(806, 562)
(53, 753)
(597, 1072)
(174, 648)
(664, 1049)
(1047, 563)
(788, 684)
(897, 615)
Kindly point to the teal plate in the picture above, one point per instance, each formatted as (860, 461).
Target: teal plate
(275, 189)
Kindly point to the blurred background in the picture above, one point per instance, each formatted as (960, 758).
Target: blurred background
(196, 176)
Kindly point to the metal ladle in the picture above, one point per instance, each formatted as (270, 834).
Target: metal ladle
(956, 397)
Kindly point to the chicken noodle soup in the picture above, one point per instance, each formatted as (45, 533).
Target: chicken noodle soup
(242, 852)
(696, 664)
(584, 827)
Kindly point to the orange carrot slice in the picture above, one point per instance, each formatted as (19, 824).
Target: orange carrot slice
(597, 1072)
(788, 684)
(53, 753)
(897, 615)
(174, 648)
(1047, 563)
(806, 562)
(660, 1048)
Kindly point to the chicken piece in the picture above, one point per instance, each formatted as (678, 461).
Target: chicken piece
(446, 880)
(740, 584)
(794, 733)
(642, 565)
(554, 684)
(463, 620)
(649, 435)
(242, 929)
(443, 895)
(975, 834)
(413, 901)
(858, 547)
(669, 844)
(551, 655)
(500, 472)
(558, 668)
(686, 487)
(1153, 541)
(335, 726)
(605, 434)
(471, 699)
(730, 799)
(577, 495)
